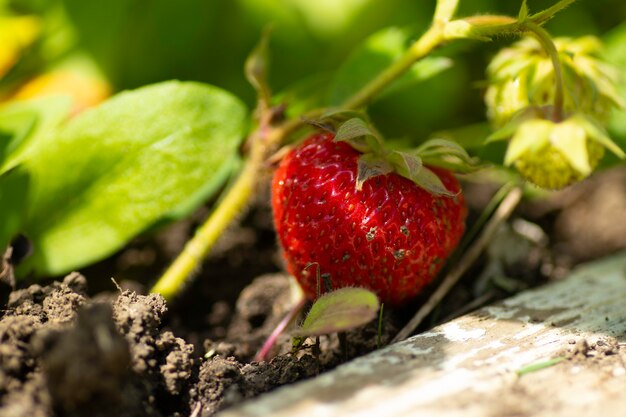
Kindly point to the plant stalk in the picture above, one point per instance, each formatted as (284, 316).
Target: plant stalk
(233, 203)
(431, 39)
(197, 248)
(548, 45)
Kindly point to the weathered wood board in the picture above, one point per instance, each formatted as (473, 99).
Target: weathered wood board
(470, 366)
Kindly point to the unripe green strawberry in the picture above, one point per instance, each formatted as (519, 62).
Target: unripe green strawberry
(391, 236)
(548, 168)
(522, 75)
(553, 155)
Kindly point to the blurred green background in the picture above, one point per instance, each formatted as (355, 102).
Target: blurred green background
(137, 42)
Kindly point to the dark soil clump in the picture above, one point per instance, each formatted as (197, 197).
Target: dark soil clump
(63, 353)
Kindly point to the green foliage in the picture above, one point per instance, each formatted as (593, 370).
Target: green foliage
(338, 311)
(114, 171)
(377, 52)
(615, 51)
(23, 123)
(14, 186)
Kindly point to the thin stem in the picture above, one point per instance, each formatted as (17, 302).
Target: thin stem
(502, 213)
(547, 14)
(197, 248)
(445, 10)
(234, 201)
(422, 47)
(264, 353)
(548, 45)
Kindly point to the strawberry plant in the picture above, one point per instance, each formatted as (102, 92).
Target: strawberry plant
(374, 152)
(372, 207)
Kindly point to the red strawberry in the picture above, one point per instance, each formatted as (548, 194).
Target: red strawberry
(391, 237)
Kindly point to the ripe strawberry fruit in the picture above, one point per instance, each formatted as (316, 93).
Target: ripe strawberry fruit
(390, 237)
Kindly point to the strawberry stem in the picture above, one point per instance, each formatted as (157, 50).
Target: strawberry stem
(548, 45)
(431, 39)
(264, 353)
(233, 203)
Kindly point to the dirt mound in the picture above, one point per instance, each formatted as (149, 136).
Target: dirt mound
(63, 353)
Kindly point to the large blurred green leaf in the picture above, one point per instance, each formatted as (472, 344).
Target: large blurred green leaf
(377, 53)
(20, 124)
(13, 192)
(14, 129)
(115, 170)
(615, 50)
(23, 122)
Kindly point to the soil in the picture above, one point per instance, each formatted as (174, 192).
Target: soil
(67, 349)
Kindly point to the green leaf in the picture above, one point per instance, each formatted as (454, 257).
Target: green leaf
(615, 52)
(114, 171)
(360, 135)
(230, 164)
(338, 311)
(595, 131)
(523, 12)
(570, 139)
(406, 164)
(504, 133)
(14, 186)
(14, 129)
(429, 181)
(353, 128)
(338, 115)
(438, 146)
(370, 166)
(547, 14)
(377, 53)
(256, 68)
(447, 154)
(530, 135)
(23, 122)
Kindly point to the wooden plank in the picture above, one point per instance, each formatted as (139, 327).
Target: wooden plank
(470, 366)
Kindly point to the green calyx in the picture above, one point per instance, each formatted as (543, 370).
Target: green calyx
(554, 154)
(411, 164)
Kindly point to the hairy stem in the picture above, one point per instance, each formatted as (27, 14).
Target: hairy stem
(264, 353)
(197, 248)
(548, 45)
(547, 14)
(233, 203)
(422, 47)
(445, 9)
